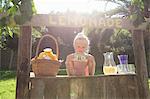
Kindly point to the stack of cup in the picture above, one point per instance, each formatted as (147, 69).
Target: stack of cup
(123, 66)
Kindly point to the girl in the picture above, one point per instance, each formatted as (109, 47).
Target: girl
(80, 63)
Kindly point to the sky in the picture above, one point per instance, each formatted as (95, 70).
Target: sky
(81, 6)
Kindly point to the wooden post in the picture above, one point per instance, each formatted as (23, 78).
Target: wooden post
(147, 33)
(140, 62)
(23, 67)
(147, 49)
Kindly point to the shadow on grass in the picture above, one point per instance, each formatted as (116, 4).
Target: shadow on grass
(5, 75)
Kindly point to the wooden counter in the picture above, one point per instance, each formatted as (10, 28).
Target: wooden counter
(91, 87)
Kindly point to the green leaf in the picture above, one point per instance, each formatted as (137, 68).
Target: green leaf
(9, 31)
(12, 10)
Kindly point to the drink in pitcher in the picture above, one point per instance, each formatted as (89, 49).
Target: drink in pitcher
(109, 66)
(110, 70)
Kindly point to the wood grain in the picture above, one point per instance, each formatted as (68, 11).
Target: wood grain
(141, 65)
(81, 21)
(23, 67)
(92, 87)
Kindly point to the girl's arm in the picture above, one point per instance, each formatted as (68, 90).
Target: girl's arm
(69, 65)
(91, 64)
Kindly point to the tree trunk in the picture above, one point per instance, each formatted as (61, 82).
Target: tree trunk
(11, 59)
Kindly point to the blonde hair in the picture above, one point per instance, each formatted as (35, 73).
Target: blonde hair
(82, 36)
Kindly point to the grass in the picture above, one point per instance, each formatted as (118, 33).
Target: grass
(7, 89)
(62, 72)
(8, 83)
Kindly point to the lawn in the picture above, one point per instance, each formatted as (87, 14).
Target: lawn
(7, 89)
(8, 84)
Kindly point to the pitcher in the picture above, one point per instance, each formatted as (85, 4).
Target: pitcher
(109, 66)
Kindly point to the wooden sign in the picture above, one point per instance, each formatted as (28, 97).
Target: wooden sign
(80, 21)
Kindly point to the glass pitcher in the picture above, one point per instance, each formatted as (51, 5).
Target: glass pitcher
(109, 66)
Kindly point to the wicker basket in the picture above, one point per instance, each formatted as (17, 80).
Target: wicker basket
(44, 67)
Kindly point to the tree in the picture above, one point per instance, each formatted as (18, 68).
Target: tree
(12, 14)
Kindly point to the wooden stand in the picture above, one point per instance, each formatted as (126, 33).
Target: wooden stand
(92, 87)
(97, 87)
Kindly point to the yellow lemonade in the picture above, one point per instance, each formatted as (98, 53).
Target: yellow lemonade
(110, 70)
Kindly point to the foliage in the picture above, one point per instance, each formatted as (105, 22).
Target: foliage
(121, 41)
(118, 41)
(9, 40)
(13, 12)
(4, 75)
(16, 11)
(132, 9)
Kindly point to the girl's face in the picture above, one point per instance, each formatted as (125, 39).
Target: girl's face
(80, 45)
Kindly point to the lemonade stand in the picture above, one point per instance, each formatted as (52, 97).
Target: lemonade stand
(109, 86)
